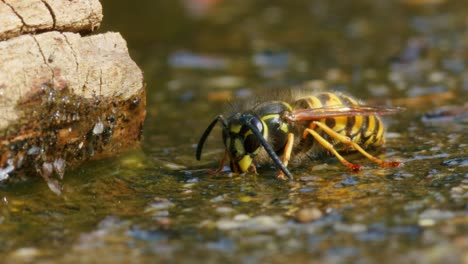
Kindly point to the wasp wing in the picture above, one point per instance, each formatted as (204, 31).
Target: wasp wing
(340, 111)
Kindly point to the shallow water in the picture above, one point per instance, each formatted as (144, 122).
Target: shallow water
(158, 203)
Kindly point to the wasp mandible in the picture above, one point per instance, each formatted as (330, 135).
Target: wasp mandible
(313, 124)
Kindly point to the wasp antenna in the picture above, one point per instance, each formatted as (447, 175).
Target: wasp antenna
(207, 132)
(247, 120)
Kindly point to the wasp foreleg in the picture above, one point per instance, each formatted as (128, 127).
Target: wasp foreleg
(221, 165)
(287, 154)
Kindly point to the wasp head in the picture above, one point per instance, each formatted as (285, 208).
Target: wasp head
(241, 139)
(244, 134)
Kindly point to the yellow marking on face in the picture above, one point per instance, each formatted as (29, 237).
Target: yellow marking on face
(284, 127)
(245, 163)
(238, 145)
(235, 128)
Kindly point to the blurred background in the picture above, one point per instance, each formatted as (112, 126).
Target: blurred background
(158, 204)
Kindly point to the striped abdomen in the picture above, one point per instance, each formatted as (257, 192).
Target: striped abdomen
(365, 130)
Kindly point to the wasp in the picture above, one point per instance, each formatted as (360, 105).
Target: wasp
(325, 122)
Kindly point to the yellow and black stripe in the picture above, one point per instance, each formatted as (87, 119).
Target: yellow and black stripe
(367, 130)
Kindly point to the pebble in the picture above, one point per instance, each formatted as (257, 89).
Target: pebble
(309, 178)
(350, 228)
(350, 181)
(224, 210)
(308, 214)
(429, 217)
(217, 199)
(25, 254)
(158, 204)
(241, 217)
(461, 162)
(225, 224)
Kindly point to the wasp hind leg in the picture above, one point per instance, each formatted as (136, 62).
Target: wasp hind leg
(287, 154)
(327, 145)
(347, 141)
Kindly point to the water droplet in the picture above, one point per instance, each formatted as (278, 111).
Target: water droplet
(47, 169)
(33, 151)
(4, 173)
(59, 167)
(98, 128)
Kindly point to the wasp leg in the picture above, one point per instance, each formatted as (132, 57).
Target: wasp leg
(253, 168)
(287, 154)
(349, 142)
(327, 145)
(221, 165)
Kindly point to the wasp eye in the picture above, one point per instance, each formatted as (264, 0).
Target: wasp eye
(258, 124)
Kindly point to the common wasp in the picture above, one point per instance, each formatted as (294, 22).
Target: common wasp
(324, 122)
